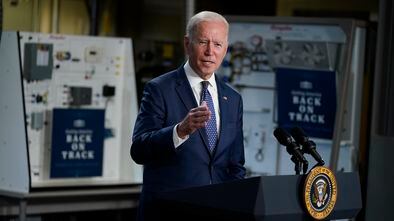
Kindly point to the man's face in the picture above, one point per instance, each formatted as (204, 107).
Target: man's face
(207, 47)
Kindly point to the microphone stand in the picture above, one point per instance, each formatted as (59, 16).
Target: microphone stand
(305, 167)
(305, 150)
(297, 164)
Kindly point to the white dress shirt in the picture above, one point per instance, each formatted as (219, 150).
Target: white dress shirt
(195, 83)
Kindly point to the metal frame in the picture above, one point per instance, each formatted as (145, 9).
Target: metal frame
(348, 26)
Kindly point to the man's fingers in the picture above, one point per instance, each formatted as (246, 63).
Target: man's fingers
(201, 119)
(200, 108)
(199, 114)
(197, 118)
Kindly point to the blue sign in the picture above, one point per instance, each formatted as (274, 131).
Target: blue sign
(77, 143)
(307, 99)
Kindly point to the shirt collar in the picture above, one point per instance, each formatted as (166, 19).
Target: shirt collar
(195, 79)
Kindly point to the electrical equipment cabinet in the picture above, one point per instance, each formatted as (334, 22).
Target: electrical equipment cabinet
(262, 50)
(68, 108)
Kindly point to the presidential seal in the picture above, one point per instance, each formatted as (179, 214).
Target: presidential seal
(320, 192)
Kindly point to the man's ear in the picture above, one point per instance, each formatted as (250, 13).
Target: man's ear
(186, 42)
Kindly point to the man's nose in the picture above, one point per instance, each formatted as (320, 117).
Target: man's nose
(208, 48)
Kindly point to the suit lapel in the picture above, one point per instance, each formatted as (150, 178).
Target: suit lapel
(184, 90)
(223, 105)
(186, 95)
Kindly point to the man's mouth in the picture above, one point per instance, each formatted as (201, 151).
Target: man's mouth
(208, 62)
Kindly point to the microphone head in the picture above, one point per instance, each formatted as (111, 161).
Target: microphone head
(283, 137)
(299, 135)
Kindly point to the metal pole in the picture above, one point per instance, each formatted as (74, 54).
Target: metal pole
(36, 18)
(190, 8)
(55, 16)
(22, 209)
(93, 18)
(340, 112)
(1, 17)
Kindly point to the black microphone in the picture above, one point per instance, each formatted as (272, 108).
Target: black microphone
(308, 146)
(292, 148)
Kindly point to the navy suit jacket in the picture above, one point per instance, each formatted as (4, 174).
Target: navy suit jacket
(166, 101)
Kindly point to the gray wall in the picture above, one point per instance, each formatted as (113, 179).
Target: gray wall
(380, 184)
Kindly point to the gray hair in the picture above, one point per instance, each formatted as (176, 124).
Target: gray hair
(201, 17)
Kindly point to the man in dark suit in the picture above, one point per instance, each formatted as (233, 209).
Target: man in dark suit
(189, 129)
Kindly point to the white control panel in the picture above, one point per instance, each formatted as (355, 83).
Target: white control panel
(257, 49)
(81, 103)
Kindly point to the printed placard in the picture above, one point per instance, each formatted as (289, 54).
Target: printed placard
(77, 143)
(307, 99)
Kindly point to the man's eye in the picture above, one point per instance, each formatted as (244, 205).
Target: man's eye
(218, 45)
(203, 42)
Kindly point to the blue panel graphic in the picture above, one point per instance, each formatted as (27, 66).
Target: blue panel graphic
(77, 143)
(307, 99)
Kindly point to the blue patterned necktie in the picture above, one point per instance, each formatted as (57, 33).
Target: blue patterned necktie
(211, 124)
